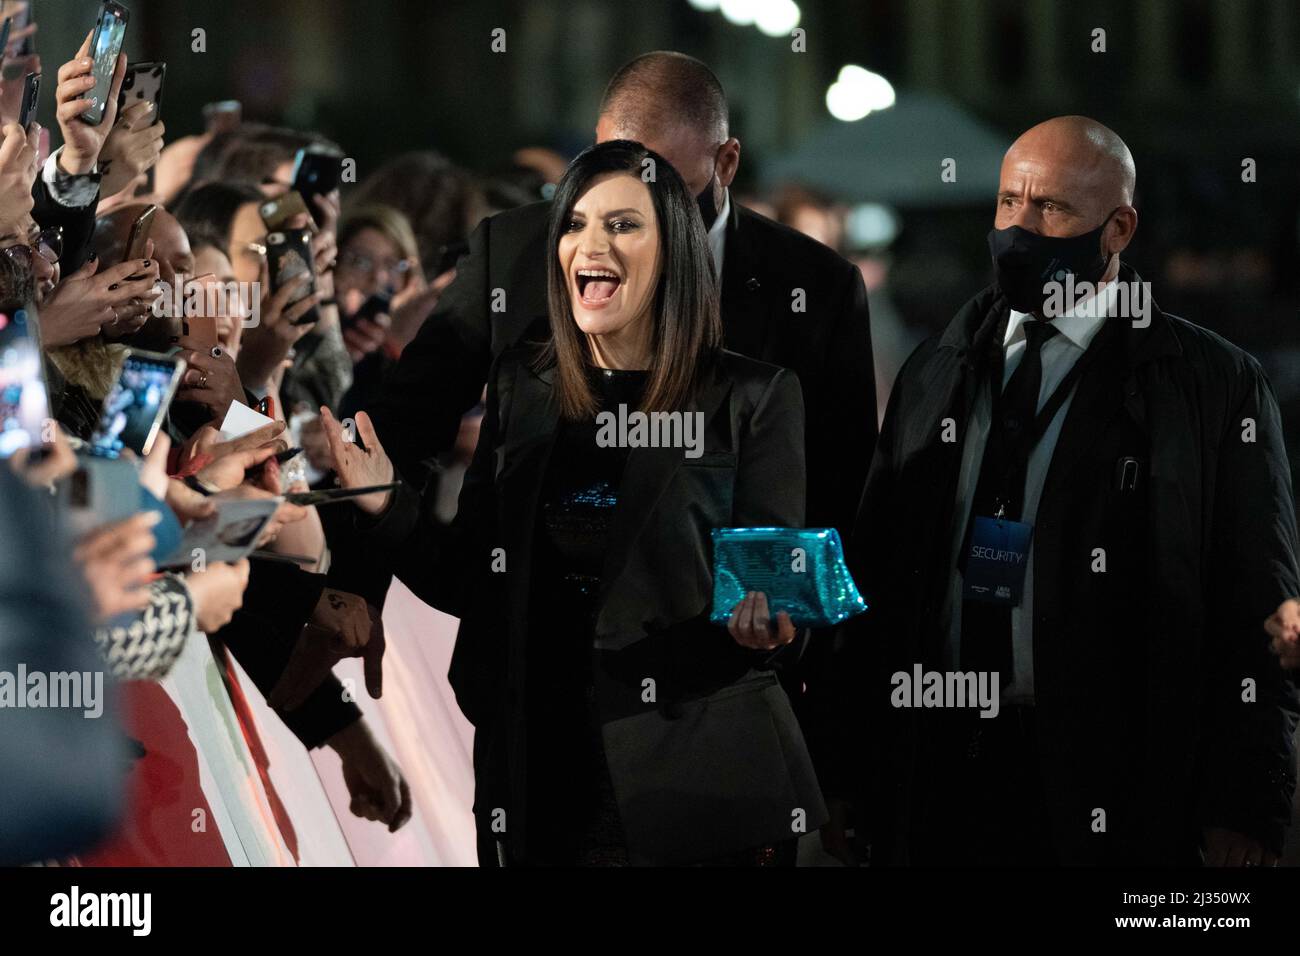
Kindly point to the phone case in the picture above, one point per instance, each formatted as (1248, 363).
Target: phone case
(375, 304)
(276, 212)
(20, 21)
(24, 395)
(801, 570)
(316, 174)
(198, 333)
(118, 428)
(4, 38)
(288, 256)
(143, 81)
(101, 491)
(110, 15)
(139, 235)
(31, 97)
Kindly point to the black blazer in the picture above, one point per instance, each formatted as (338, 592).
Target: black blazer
(786, 299)
(714, 763)
(1138, 671)
(78, 224)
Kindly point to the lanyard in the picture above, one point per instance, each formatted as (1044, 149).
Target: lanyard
(1018, 456)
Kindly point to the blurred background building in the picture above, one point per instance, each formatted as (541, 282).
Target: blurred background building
(1196, 87)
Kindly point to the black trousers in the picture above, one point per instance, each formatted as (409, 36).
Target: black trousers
(978, 795)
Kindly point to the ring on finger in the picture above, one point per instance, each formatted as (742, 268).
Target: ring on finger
(203, 380)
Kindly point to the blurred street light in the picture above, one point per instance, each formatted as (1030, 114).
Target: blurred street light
(858, 92)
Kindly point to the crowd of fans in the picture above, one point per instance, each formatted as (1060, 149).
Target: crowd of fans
(103, 228)
(119, 245)
(78, 282)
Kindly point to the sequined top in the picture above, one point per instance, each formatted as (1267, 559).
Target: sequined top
(574, 818)
(578, 500)
(573, 812)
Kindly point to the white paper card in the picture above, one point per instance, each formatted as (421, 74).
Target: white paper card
(240, 420)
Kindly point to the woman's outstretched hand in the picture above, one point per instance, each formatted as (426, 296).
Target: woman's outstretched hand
(752, 626)
(359, 467)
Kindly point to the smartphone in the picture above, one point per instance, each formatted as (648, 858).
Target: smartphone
(24, 399)
(31, 97)
(328, 496)
(143, 81)
(4, 39)
(198, 332)
(20, 21)
(223, 116)
(449, 255)
(137, 404)
(379, 302)
(135, 243)
(101, 491)
(288, 255)
(105, 46)
(316, 173)
(276, 212)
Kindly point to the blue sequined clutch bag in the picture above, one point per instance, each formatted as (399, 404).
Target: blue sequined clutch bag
(801, 570)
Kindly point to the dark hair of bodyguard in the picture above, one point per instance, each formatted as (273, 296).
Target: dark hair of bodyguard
(687, 329)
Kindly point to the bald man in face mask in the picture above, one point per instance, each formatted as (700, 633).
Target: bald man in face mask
(1079, 512)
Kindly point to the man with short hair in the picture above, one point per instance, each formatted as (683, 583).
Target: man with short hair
(1089, 500)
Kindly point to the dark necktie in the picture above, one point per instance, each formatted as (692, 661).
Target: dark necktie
(1000, 492)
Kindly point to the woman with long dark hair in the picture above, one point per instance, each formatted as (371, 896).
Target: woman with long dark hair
(614, 723)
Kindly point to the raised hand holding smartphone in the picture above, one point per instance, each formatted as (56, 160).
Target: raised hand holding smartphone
(86, 126)
(105, 50)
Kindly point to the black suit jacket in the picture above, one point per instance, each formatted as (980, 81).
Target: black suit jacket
(78, 224)
(786, 299)
(714, 762)
(1138, 670)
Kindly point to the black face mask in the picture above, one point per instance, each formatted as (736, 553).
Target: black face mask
(1024, 262)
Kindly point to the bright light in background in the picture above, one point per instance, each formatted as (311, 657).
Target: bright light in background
(871, 226)
(740, 12)
(858, 92)
(776, 18)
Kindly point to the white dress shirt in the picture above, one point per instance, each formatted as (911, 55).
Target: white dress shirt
(1075, 331)
(75, 192)
(718, 235)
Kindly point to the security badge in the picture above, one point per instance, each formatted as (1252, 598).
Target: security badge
(997, 555)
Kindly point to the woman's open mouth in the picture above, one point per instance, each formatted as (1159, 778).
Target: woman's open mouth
(596, 286)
